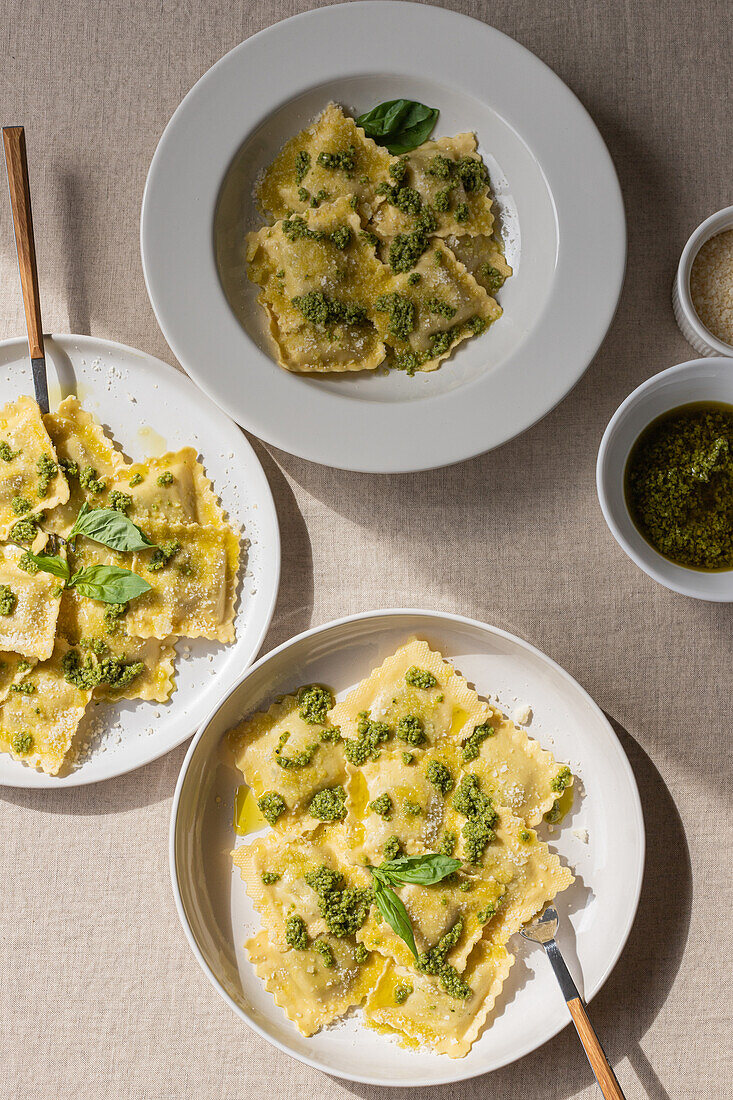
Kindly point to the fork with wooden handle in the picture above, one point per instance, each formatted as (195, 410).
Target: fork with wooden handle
(542, 930)
(20, 201)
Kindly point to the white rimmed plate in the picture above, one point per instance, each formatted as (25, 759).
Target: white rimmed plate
(149, 407)
(560, 209)
(602, 839)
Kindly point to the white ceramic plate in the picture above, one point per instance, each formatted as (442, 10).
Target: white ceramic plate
(150, 408)
(596, 912)
(561, 217)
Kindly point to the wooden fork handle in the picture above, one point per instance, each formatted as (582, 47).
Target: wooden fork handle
(20, 201)
(599, 1063)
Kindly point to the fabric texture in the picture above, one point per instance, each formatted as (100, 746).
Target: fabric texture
(101, 995)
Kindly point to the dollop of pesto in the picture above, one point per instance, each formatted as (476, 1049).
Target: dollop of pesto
(329, 804)
(402, 992)
(302, 165)
(410, 729)
(392, 847)
(120, 502)
(47, 470)
(299, 759)
(398, 169)
(562, 780)
(26, 563)
(382, 806)
(440, 776)
(433, 961)
(492, 276)
(473, 174)
(440, 308)
(113, 613)
(461, 212)
(414, 278)
(8, 600)
(679, 485)
(370, 735)
(70, 468)
(441, 167)
(341, 237)
(25, 688)
(22, 743)
(401, 313)
(163, 554)
(23, 666)
(87, 671)
(406, 199)
(412, 809)
(272, 806)
(89, 480)
(360, 954)
(472, 744)
(407, 758)
(525, 836)
(321, 310)
(478, 832)
(343, 908)
(441, 200)
(448, 844)
(6, 452)
(20, 506)
(325, 950)
(136, 479)
(343, 161)
(166, 478)
(332, 733)
(420, 677)
(269, 878)
(25, 530)
(296, 933)
(484, 915)
(314, 703)
(369, 237)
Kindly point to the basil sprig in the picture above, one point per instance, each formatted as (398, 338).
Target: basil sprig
(107, 583)
(399, 124)
(425, 870)
(110, 528)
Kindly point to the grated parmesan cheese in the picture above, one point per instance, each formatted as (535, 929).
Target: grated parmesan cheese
(711, 285)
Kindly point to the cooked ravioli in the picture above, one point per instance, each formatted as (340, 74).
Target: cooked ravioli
(482, 256)
(31, 480)
(278, 751)
(319, 279)
(422, 322)
(171, 487)
(329, 159)
(447, 176)
(88, 457)
(193, 591)
(37, 725)
(29, 626)
(536, 883)
(13, 669)
(418, 1010)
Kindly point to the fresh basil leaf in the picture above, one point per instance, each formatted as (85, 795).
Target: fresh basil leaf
(109, 584)
(394, 912)
(50, 563)
(423, 870)
(110, 528)
(399, 124)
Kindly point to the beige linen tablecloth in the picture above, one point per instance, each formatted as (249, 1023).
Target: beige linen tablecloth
(101, 996)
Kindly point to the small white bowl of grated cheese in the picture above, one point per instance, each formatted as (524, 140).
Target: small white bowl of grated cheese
(702, 293)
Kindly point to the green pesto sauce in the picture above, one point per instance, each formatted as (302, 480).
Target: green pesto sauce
(441, 167)
(329, 804)
(382, 806)
(333, 733)
(434, 962)
(440, 308)
(302, 165)
(420, 677)
(448, 844)
(343, 161)
(86, 671)
(402, 992)
(47, 470)
(323, 311)
(392, 847)
(120, 502)
(6, 454)
(562, 780)
(366, 745)
(440, 776)
(679, 485)
(472, 744)
(491, 276)
(411, 808)
(398, 169)
(8, 600)
(25, 530)
(22, 743)
(401, 313)
(343, 908)
(269, 878)
(461, 213)
(314, 703)
(166, 478)
(20, 506)
(70, 469)
(272, 806)
(296, 934)
(23, 666)
(470, 801)
(113, 613)
(414, 278)
(162, 554)
(360, 954)
(136, 479)
(408, 757)
(90, 482)
(300, 759)
(326, 952)
(26, 688)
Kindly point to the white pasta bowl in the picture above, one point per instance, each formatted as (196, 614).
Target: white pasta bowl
(709, 379)
(605, 849)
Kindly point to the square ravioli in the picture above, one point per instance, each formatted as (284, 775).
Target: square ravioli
(420, 1012)
(315, 987)
(536, 883)
(319, 277)
(329, 159)
(38, 722)
(446, 177)
(31, 479)
(87, 456)
(145, 665)
(13, 669)
(288, 754)
(29, 605)
(482, 256)
(425, 313)
(193, 576)
(172, 487)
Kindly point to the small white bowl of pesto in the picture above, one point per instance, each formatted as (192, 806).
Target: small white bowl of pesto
(665, 478)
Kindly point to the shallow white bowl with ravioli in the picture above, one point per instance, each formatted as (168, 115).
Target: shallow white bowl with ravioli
(150, 408)
(559, 210)
(604, 847)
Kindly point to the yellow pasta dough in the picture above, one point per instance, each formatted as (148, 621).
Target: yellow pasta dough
(30, 627)
(31, 480)
(13, 669)
(482, 256)
(171, 487)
